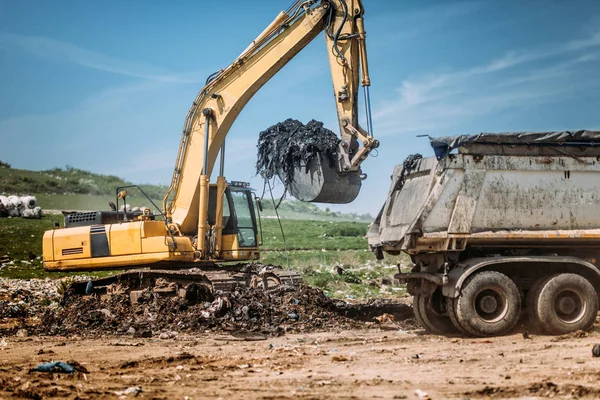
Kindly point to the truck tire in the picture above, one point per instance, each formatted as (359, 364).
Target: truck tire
(566, 303)
(533, 322)
(489, 304)
(434, 322)
(451, 308)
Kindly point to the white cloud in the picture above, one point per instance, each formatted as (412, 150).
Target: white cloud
(44, 47)
(515, 79)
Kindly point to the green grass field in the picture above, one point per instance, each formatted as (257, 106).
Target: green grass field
(314, 248)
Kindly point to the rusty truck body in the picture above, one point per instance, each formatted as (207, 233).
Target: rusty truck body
(501, 228)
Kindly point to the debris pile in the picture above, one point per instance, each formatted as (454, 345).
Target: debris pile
(290, 144)
(22, 302)
(15, 206)
(36, 307)
(244, 310)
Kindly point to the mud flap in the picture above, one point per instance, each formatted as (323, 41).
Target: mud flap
(321, 183)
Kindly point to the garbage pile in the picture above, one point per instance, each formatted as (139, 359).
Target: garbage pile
(36, 307)
(15, 206)
(22, 302)
(291, 144)
(244, 310)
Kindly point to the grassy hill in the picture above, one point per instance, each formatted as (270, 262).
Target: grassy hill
(67, 181)
(75, 189)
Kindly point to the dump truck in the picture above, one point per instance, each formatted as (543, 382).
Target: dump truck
(503, 231)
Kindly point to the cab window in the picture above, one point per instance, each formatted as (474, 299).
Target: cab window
(245, 218)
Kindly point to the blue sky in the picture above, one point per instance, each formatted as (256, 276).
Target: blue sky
(105, 86)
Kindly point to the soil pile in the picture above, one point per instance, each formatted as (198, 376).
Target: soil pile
(291, 144)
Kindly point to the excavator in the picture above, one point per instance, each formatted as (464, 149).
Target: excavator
(206, 237)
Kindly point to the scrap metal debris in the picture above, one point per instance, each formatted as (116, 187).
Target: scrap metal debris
(290, 144)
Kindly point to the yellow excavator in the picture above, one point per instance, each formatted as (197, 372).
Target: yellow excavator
(204, 224)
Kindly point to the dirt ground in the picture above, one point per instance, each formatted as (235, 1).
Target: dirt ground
(362, 363)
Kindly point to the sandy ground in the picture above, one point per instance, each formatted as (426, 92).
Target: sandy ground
(357, 364)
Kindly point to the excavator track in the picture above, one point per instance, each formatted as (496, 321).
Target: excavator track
(192, 284)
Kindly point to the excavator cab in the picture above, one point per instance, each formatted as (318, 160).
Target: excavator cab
(240, 200)
(239, 236)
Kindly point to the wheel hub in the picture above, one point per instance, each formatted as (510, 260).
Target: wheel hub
(488, 304)
(566, 305)
(491, 305)
(569, 306)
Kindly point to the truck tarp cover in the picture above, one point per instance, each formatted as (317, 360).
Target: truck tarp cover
(444, 145)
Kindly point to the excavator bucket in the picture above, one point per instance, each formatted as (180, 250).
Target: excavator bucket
(321, 183)
(302, 156)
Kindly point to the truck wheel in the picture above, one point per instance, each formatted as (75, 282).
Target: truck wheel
(431, 314)
(451, 308)
(489, 304)
(566, 303)
(533, 322)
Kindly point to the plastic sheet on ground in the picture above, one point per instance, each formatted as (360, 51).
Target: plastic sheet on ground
(56, 366)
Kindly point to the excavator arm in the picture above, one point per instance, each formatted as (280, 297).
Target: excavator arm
(227, 92)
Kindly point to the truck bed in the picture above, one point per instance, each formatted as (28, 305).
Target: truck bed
(543, 193)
